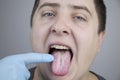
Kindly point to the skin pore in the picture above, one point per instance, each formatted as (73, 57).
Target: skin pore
(73, 23)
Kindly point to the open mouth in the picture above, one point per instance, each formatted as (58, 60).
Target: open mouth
(60, 48)
(63, 56)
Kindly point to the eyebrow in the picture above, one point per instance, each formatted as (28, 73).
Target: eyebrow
(81, 8)
(50, 5)
(72, 6)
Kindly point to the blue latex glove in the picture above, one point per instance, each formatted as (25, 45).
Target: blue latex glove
(14, 67)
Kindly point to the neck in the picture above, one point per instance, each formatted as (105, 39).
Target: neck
(38, 76)
(89, 76)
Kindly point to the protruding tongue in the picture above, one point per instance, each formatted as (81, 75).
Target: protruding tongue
(61, 63)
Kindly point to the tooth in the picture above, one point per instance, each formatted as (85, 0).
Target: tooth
(65, 47)
(59, 47)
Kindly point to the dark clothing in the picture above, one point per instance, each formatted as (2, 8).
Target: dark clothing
(98, 76)
(33, 69)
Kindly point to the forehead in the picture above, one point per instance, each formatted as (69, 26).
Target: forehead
(65, 3)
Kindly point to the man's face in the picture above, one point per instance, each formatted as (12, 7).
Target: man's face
(67, 29)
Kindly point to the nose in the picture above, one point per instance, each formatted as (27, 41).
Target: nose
(60, 28)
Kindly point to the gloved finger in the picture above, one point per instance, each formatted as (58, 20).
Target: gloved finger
(36, 58)
(31, 58)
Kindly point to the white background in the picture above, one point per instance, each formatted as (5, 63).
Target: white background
(15, 31)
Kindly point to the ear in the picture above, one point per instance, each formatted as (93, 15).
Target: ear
(101, 37)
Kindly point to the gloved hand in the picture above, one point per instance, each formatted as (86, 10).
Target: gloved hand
(14, 67)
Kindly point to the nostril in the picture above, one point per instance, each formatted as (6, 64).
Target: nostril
(60, 30)
(53, 31)
(65, 32)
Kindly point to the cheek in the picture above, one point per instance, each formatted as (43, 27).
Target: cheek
(87, 47)
(88, 42)
(87, 38)
(38, 37)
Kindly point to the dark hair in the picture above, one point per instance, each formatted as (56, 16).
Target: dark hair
(100, 9)
(101, 13)
(34, 9)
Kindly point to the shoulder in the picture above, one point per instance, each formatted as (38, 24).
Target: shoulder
(98, 76)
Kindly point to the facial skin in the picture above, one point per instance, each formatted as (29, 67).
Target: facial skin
(73, 23)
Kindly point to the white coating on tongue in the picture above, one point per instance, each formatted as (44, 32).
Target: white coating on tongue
(61, 63)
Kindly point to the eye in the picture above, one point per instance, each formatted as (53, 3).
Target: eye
(48, 14)
(79, 18)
